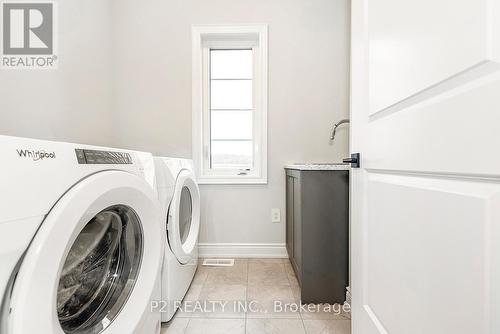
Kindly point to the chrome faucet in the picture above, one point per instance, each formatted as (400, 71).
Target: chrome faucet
(335, 126)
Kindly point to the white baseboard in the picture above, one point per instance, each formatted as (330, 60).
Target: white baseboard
(242, 250)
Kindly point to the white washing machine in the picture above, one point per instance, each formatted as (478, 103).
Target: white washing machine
(80, 244)
(179, 197)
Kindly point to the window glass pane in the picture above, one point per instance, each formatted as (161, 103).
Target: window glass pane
(232, 154)
(231, 124)
(231, 94)
(231, 103)
(231, 64)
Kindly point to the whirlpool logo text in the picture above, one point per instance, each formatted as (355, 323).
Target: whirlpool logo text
(36, 155)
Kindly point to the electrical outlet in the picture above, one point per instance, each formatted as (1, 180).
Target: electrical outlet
(275, 215)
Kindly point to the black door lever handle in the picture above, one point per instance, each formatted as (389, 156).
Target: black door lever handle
(354, 160)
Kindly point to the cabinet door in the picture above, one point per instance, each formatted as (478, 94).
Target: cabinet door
(289, 216)
(297, 227)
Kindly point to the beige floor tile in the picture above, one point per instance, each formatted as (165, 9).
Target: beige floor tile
(271, 302)
(294, 283)
(267, 292)
(216, 326)
(274, 326)
(212, 309)
(267, 274)
(200, 276)
(288, 267)
(293, 279)
(268, 261)
(175, 326)
(222, 310)
(266, 309)
(327, 326)
(236, 274)
(193, 292)
(228, 292)
(295, 289)
(260, 282)
(224, 301)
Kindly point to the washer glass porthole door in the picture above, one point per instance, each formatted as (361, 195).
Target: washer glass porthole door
(100, 271)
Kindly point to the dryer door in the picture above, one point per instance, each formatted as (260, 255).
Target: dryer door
(93, 265)
(184, 218)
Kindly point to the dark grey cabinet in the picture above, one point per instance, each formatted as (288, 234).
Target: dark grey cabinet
(317, 232)
(293, 233)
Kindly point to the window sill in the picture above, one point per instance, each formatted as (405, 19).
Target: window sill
(232, 180)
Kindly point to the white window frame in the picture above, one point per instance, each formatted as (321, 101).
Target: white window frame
(205, 37)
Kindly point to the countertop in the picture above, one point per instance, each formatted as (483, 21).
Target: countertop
(319, 166)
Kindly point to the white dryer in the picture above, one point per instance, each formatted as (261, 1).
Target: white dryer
(179, 197)
(80, 244)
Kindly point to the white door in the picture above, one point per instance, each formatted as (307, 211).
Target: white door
(184, 218)
(426, 200)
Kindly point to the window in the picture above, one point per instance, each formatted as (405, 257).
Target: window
(230, 104)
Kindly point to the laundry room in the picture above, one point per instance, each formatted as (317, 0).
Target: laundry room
(248, 166)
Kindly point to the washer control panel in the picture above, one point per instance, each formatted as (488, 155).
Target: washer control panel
(93, 157)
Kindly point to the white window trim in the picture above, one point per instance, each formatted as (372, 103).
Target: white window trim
(240, 38)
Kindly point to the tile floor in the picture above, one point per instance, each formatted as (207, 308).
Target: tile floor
(215, 303)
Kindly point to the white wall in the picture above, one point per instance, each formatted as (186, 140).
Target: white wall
(308, 91)
(124, 79)
(73, 102)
